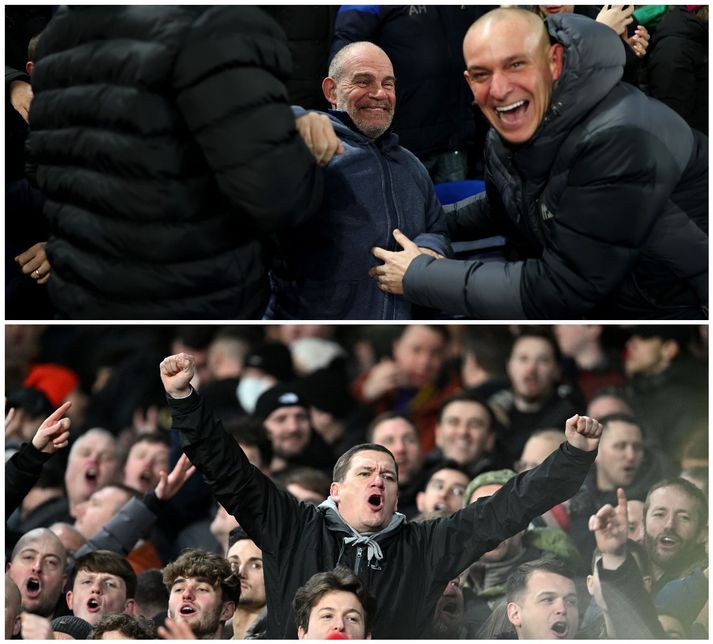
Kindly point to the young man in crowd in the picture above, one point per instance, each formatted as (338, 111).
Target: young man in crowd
(203, 592)
(245, 559)
(103, 583)
(334, 603)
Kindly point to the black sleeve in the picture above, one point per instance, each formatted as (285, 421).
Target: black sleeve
(630, 607)
(230, 93)
(272, 517)
(21, 473)
(458, 541)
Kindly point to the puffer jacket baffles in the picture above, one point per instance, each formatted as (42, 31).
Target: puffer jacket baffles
(610, 196)
(165, 144)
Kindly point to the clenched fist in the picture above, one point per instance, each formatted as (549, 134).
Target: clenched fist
(177, 371)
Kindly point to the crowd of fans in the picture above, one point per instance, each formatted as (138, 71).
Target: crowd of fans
(112, 531)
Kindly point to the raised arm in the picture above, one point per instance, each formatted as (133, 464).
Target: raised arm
(462, 538)
(25, 466)
(629, 610)
(251, 497)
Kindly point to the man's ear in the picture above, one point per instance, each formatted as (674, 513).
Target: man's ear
(300, 633)
(513, 612)
(334, 491)
(7, 567)
(670, 349)
(130, 607)
(590, 584)
(69, 599)
(329, 89)
(227, 610)
(419, 501)
(556, 58)
(16, 626)
(368, 636)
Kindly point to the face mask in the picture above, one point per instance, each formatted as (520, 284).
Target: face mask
(249, 390)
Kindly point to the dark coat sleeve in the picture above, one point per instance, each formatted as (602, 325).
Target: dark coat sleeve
(230, 93)
(123, 531)
(355, 23)
(618, 184)
(263, 511)
(630, 607)
(21, 473)
(459, 540)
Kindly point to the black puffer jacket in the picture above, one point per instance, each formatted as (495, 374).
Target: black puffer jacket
(678, 66)
(610, 195)
(299, 540)
(164, 142)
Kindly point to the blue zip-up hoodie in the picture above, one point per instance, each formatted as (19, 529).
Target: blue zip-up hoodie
(375, 186)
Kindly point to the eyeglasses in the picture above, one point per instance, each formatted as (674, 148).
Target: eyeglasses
(440, 486)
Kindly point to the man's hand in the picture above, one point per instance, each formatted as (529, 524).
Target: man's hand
(168, 486)
(34, 262)
(616, 16)
(583, 432)
(21, 97)
(175, 630)
(390, 275)
(35, 627)
(318, 134)
(53, 433)
(610, 527)
(176, 374)
(383, 378)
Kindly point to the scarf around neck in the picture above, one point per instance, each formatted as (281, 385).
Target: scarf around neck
(336, 523)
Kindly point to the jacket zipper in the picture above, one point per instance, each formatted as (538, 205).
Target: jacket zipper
(357, 562)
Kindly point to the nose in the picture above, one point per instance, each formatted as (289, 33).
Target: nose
(399, 447)
(338, 625)
(499, 85)
(187, 593)
(379, 480)
(378, 92)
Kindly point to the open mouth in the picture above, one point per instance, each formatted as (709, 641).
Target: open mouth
(93, 605)
(91, 475)
(668, 542)
(440, 506)
(146, 477)
(187, 610)
(376, 502)
(450, 608)
(511, 114)
(33, 587)
(559, 629)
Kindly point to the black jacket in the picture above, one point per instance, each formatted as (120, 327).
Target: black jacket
(609, 198)
(678, 66)
(434, 107)
(419, 559)
(164, 142)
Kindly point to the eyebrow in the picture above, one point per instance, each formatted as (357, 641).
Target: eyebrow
(359, 75)
(371, 468)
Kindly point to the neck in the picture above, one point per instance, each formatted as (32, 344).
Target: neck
(589, 357)
(528, 406)
(243, 619)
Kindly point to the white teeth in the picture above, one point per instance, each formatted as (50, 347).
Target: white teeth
(509, 108)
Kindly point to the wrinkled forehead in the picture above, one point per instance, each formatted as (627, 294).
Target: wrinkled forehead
(505, 33)
(44, 544)
(369, 60)
(672, 499)
(96, 441)
(372, 459)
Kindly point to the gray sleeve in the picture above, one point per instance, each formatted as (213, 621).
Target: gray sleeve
(123, 530)
(479, 290)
